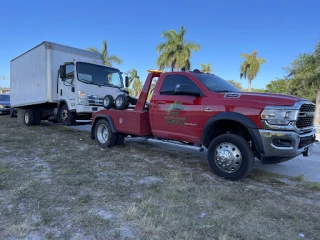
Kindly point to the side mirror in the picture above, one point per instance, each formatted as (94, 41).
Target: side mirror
(127, 81)
(185, 89)
(62, 71)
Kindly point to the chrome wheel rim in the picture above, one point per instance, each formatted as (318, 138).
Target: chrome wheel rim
(26, 117)
(102, 133)
(119, 101)
(228, 157)
(106, 102)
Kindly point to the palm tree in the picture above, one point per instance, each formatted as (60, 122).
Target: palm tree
(107, 60)
(175, 53)
(206, 68)
(134, 79)
(132, 74)
(250, 67)
(136, 87)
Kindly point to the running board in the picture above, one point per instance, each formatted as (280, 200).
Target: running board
(199, 149)
(83, 121)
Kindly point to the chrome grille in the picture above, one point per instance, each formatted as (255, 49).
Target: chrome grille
(306, 116)
(95, 100)
(307, 108)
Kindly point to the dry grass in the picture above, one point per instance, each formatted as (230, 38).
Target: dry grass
(56, 183)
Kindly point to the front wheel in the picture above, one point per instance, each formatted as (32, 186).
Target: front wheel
(230, 157)
(67, 117)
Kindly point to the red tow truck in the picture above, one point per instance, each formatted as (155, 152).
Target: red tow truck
(199, 110)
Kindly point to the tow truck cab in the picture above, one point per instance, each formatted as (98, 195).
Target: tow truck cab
(205, 110)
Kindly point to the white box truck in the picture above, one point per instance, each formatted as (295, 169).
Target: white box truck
(61, 84)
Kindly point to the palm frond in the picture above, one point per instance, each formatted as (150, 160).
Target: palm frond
(93, 49)
(114, 58)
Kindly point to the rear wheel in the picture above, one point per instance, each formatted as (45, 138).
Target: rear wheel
(121, 102)
(104, 135)
(230, 157)
(29, 117)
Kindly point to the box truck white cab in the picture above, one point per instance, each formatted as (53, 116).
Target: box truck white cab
(61, 84)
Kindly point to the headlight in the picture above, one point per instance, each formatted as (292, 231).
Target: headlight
(279, 116)
(83, 98)
(1, 106)
(82, 94)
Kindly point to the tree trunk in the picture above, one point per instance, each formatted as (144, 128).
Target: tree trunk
(249, 85)
(317, 113)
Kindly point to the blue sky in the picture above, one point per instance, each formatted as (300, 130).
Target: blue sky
(278, 29)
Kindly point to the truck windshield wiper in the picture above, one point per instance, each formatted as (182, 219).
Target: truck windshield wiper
(111, 85)
(90, 82)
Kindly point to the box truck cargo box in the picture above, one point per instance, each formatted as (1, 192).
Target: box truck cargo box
(61, 83)
(34, 74)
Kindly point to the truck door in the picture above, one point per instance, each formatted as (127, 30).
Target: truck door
(66, 89)
(177, 116)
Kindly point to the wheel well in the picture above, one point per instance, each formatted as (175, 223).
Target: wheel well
(228, 126)
(96, 120)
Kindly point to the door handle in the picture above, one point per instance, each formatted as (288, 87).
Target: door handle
(207, 109)
(161, 102)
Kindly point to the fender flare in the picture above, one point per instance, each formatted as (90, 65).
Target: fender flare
(97, 118)
(237, 117)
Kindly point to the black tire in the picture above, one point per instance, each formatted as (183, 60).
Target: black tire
(108, 102)
(120, 139)
(37, 116)
(66, 117)
(102, 140)
(240, 153)
(29, 117)
(121, 102)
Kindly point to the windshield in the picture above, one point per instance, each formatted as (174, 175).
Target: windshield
(5, 98)
(99, 75)
(215, 83)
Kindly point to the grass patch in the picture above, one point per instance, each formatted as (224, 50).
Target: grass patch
(56, 183)
(315, 186)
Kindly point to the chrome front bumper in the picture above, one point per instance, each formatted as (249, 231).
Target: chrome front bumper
(286, 144)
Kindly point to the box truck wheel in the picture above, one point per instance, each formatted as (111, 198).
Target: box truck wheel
(108, 102)
(103, 134)
(29, 117)
(67, 117)
(121, 102)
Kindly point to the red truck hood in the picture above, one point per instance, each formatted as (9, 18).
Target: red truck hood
(267, 98)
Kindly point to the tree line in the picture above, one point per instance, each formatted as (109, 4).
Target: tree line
(302, 76)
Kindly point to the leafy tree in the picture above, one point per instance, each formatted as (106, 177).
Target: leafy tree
(107, 59)
(278, 86)
(250, 67)
(175, 53)
(303, 75)
(258, 90)
(236, 84)
(206, 68)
